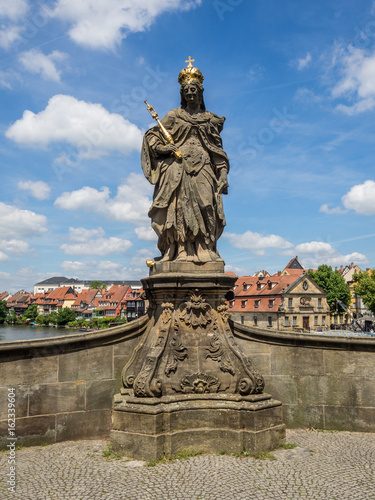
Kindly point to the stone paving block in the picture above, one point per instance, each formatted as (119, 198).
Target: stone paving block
(296, 360)
(56, 398)
(99, 394)
(89, 364)
(38, 370)
(83, 425)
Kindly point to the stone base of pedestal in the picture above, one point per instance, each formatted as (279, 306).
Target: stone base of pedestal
(153, 427)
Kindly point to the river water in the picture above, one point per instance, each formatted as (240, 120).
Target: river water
(18, 332)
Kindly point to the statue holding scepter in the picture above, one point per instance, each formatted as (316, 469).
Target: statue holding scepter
(189, 173)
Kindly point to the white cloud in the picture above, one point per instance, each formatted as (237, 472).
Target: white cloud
(89, 127)
(257, 243)
(325, 209)
(101, 270)
(81, 234)
(145, 233)
(130, 204)
(102, 24)
(36, 62)
(361, 198)
(140, 257)
(8, 35)
(17, 223)
(39, 189)
(14, 246)
(99, 246)
(304, 62)
(87, 199)
(357, 85)
(3, 257)
(13, 9)
(314, 253)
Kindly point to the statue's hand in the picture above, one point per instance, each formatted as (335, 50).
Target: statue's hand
(223, 181)
(166, 149)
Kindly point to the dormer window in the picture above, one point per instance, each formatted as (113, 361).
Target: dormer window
(257, 303)
(271, 302)
(243, 303)
(269, 284)
(231, 303)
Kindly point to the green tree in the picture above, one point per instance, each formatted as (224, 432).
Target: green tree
(333, 284)
(3, 311)
(365, 288)
(98, 284)
(31, 312)
(65, 315)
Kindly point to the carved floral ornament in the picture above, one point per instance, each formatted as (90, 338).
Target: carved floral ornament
(196, 311)
(199, 383)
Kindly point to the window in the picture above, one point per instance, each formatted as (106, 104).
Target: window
(255, 321)
(269, 284)
(231, 303)
(315, 320)
(335, 320)
(294, 320)
(271, 302)
(319, 302)
(286, 322)
(341, 319)
(243, 303)
(323, 320)
(242, 320)
(290, 302)
(257, 303)
(245, 287)
(269, 320)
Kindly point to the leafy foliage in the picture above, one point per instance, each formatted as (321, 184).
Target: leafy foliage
(98, 284)
(31, 312)
(3, 311)
(365, 287)
(333, 284)
(64, 316)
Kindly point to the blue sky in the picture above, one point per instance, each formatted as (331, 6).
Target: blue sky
(295, 81)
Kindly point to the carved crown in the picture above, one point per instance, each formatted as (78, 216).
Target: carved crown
(190, 74)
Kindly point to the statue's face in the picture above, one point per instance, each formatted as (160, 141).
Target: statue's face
(191, 94)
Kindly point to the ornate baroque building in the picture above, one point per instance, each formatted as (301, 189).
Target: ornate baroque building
(288, 300)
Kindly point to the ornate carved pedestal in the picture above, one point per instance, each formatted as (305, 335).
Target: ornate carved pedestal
(188, 383)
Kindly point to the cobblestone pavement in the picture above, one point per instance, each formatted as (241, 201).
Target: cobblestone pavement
(324, 465)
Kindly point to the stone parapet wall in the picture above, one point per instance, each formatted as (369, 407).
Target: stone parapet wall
(324, 382)
(65, 385)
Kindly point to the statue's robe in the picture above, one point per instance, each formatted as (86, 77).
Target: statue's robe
(187, 204)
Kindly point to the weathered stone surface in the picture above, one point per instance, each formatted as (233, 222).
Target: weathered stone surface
(38, 370)
(82, 425)
(99, 394)
(30, 431)
(212, 424)
(294, 360)
(21, 401)
(282, 387)
(56, 398)
(91, 364)
(349, 418)
(349, 363)
(303, 416)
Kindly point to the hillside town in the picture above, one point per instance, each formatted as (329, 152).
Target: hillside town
(289, 300)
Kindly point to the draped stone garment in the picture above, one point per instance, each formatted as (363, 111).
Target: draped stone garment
(187, 205)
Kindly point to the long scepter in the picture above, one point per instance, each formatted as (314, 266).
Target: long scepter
(164, 131)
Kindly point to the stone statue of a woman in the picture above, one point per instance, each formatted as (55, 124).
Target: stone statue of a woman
(189, 174)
